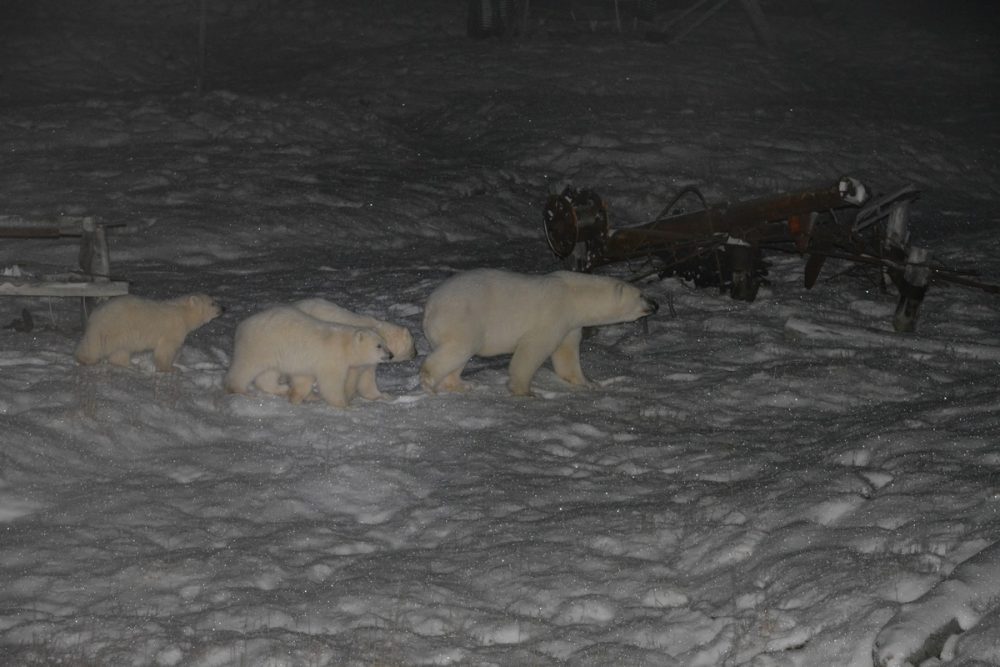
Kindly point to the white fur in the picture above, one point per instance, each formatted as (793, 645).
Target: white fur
(130, 324)
(488, 312)
(398, 338)
(361, 379)
(284, 341)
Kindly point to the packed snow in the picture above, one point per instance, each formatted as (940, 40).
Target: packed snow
(776, 483)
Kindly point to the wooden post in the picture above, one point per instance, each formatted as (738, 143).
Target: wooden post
(202, 30)
(912, 289)
(94, 261)
(897, 232)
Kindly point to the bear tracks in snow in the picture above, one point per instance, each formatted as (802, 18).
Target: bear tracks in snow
(925, 628)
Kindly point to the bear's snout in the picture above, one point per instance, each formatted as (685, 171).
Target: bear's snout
(651, 306)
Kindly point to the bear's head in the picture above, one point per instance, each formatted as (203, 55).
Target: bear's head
(632, 302)
(606, 300)
(367, 348)
(399, 339)
(201, 308)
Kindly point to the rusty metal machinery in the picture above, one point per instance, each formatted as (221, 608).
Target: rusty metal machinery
(723, 245)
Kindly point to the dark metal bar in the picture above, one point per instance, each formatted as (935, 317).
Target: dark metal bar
(32, 232)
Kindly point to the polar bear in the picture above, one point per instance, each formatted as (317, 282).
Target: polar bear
(284, 341)
(128, 324)
(487, 312)
(361, 379)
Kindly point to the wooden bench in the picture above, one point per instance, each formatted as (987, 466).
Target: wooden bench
(91, 282)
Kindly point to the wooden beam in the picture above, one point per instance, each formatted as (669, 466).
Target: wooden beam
(61, 289)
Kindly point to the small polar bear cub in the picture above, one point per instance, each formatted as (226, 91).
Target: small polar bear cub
(487, 312)
(361, 379)
(284, 341)
(131, 324)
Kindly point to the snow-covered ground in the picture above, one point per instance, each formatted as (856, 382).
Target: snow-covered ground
(749, 485)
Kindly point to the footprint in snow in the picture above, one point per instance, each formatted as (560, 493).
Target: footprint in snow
(930, 627)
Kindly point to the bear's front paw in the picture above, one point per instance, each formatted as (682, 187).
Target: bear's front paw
(295, 397)
(449, 385)
(120, 359)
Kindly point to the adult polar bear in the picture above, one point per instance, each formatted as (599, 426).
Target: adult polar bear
(486, 312)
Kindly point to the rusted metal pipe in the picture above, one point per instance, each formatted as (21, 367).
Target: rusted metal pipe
(574, 219)
(721, 245)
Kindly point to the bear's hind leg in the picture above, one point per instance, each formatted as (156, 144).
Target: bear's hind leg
(442, 370)
(452, 382)
(566, 359)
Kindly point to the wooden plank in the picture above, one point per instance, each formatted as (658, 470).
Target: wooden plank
(30, 232)
(94, 261)
(15, 226)
(60, 289)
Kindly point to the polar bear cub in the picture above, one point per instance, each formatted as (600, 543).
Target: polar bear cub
(130, 324)
(487, 312)
(361, 379)
(284, 341)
